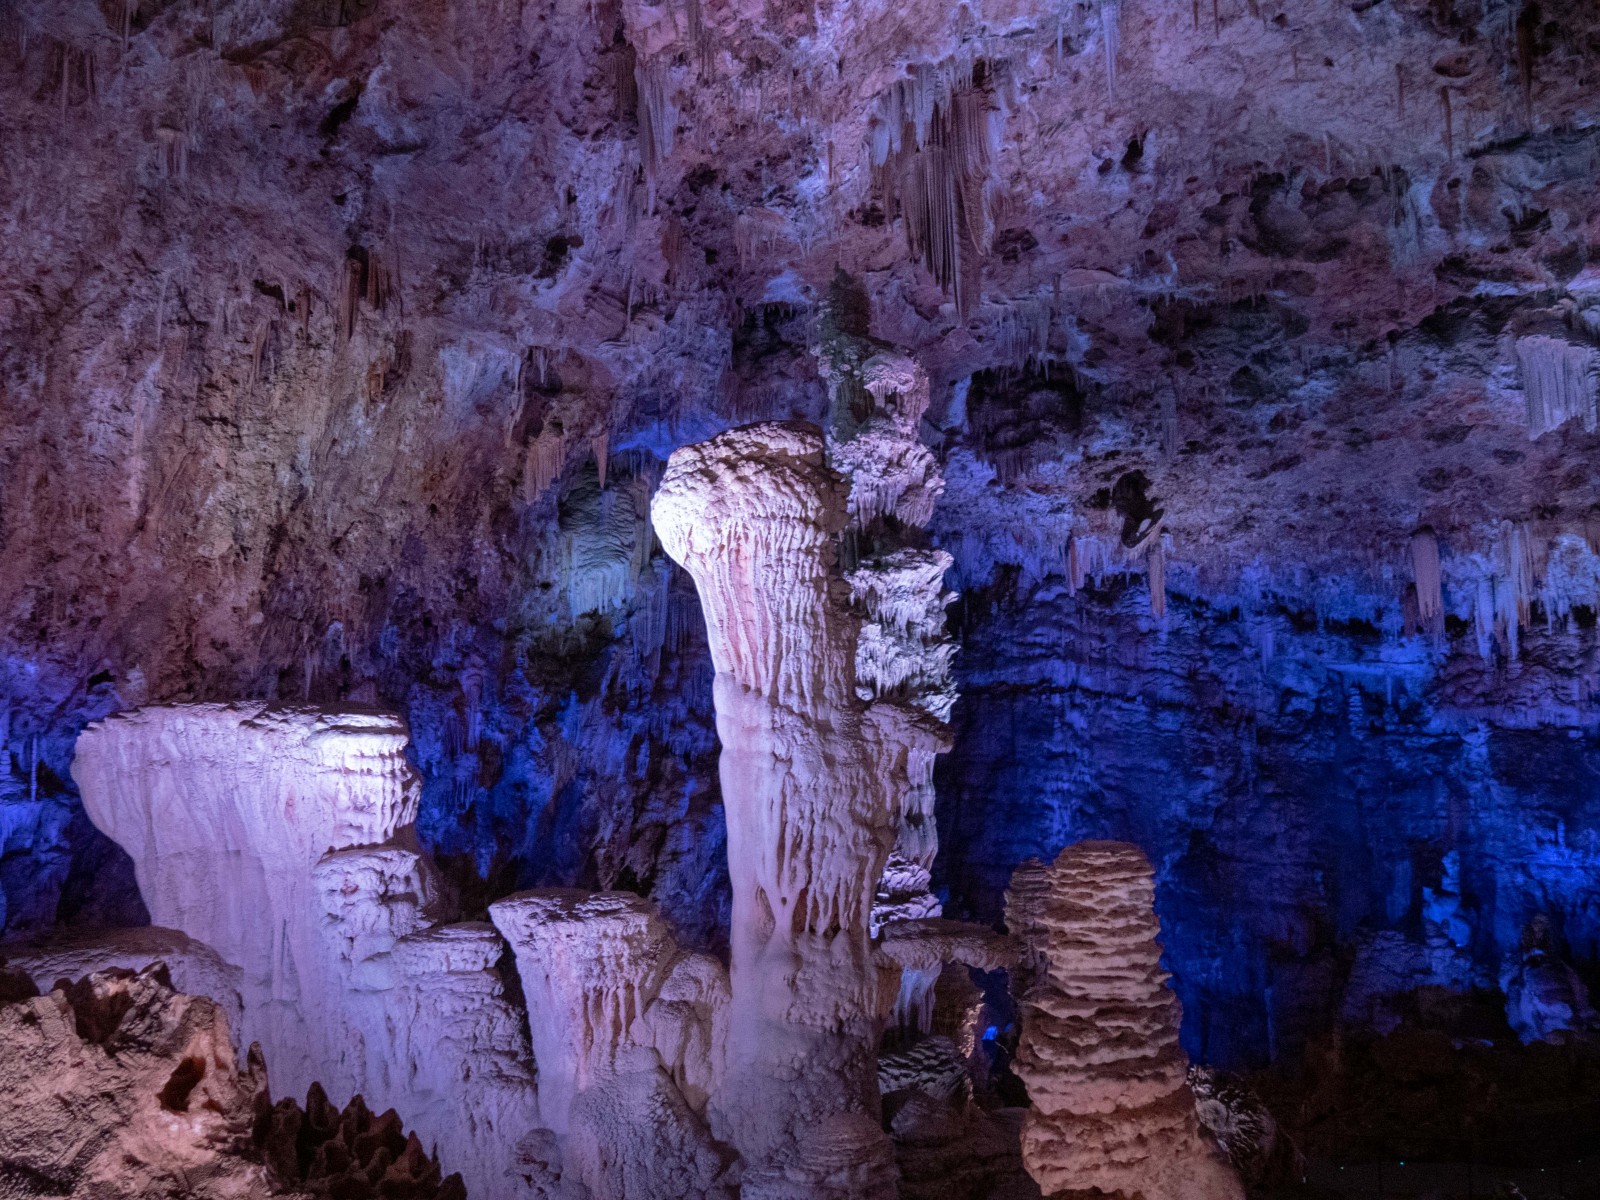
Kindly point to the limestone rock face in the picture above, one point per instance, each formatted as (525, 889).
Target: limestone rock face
(1111, 1106)
(281, 839)
(1546, 1000)
(119, 1088)
(116, 1088)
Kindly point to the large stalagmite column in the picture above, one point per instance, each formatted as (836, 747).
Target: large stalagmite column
(1111, 1108)
(281, 839)
(625, 1036)
(752, 515)
(227, 812)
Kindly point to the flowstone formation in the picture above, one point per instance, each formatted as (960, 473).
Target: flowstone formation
(877, 400)
(281, 840)
(1111, 1105)
(752, 514)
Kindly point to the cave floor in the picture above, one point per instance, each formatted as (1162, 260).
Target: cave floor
(1575, 1180)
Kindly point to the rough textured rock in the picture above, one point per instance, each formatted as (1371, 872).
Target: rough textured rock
(194, 968)
(316, 377)
(281, 839)
(1111, 1105)
(957, 1152)
(1546, 1000)
(1237, 1120)
(117, 1087)
(342, 342)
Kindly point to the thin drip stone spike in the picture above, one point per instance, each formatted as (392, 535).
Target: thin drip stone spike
(1111, 1107)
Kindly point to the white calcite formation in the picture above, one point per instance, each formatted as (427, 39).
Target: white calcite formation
(922, 947)
(627, 1038)
(282, 840)
(1111, 1107)
(805, 770)
(903, 651)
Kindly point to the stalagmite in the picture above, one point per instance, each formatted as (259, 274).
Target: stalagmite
(903, 652)
(627, 1039)
(1111, 1108)
(593, 964)
(282, 840)
(752, 514)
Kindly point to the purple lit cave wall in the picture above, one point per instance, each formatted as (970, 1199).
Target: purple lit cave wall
(706, 600)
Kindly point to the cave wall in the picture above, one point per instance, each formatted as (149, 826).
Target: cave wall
(342, 343)
(1298, 791)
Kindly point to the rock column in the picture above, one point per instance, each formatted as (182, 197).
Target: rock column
(281, 839)
(752, 514)
(1111, 1107)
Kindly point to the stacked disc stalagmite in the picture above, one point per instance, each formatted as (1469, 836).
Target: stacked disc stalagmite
(1111, 1108)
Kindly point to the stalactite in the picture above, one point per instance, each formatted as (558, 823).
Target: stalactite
(1156, 567)
(349, 293)
(161, 311)
(601, 446)
(545, 459)
(624, 64)
(174, 145)
(1169, 423)
(933, 143)
(1425, 571)
(1560, 381)
(658, 121)
(1111, 36)
(756, 232)
(700, 41)
(1526, 20)
(258, 348)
